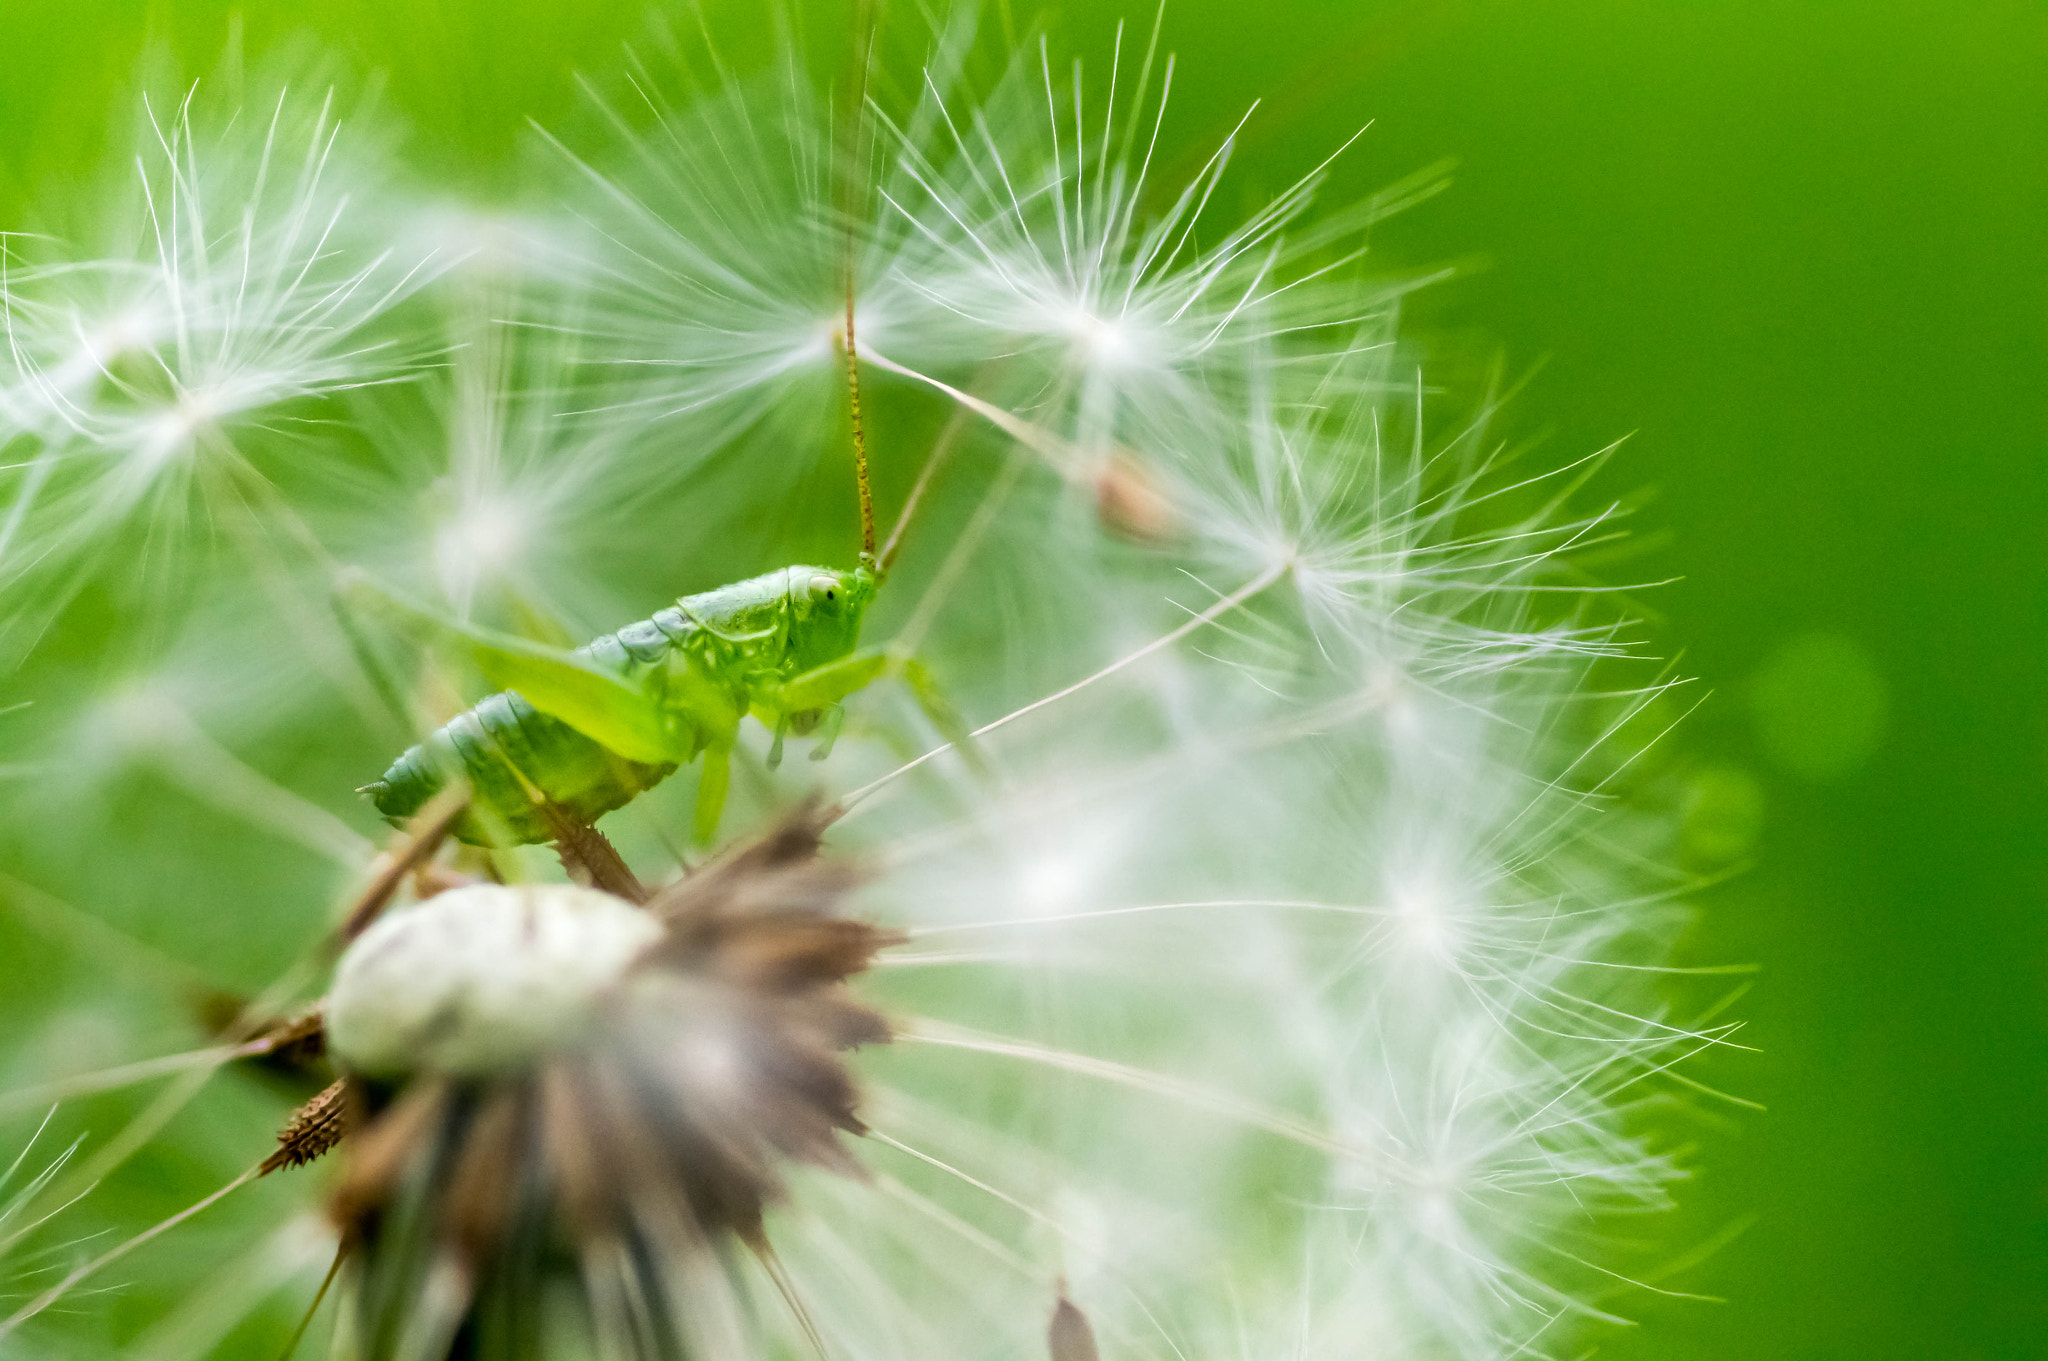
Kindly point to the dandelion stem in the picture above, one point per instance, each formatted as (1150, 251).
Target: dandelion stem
(189, 756)
(1098, 914)
(1224, 1104)
(326, 1282)
(124, 1076)
(1054, 450)
(114, 1254)
(942, 449)
(1221, 607)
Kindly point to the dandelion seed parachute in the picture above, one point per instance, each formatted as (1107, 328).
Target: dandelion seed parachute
(150, 387)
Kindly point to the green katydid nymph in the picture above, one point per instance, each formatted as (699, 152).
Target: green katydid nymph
(577, 734)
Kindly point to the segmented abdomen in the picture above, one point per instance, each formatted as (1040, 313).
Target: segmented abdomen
(504, 734)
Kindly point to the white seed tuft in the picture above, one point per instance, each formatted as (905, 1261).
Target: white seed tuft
(480, 979)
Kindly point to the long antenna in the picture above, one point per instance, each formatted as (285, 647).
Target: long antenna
(860, 439)
(863, 54)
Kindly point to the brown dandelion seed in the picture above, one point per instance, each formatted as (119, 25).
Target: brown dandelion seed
(315, 1128)
(1131, 502)
(1070, 1338)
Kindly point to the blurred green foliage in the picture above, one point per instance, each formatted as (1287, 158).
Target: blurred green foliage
(1798, 250)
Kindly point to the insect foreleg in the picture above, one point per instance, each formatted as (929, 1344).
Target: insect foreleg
(826, 685)
(804, 723)
(828, 727)
(823, 687)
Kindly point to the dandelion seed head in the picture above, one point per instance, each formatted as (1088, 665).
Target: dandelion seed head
(492, 247)
(135, 329)
(1263, 994)
(1054, 877)
(1425, 917)
(133, 716)
(1391, 692)
(483, 540)
(594, 1095)
(1112, 344)
(172, 431)
(161, 366)
(1087, 339)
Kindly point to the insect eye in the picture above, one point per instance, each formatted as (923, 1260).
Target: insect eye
(825, 586)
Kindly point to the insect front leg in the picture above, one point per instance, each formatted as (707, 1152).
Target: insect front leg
(823, 723)
(829, 724)
(823, 687)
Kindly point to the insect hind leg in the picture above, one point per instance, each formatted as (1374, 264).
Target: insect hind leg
(713, 779)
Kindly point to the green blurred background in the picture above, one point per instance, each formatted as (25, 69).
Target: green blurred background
(1799, 251)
